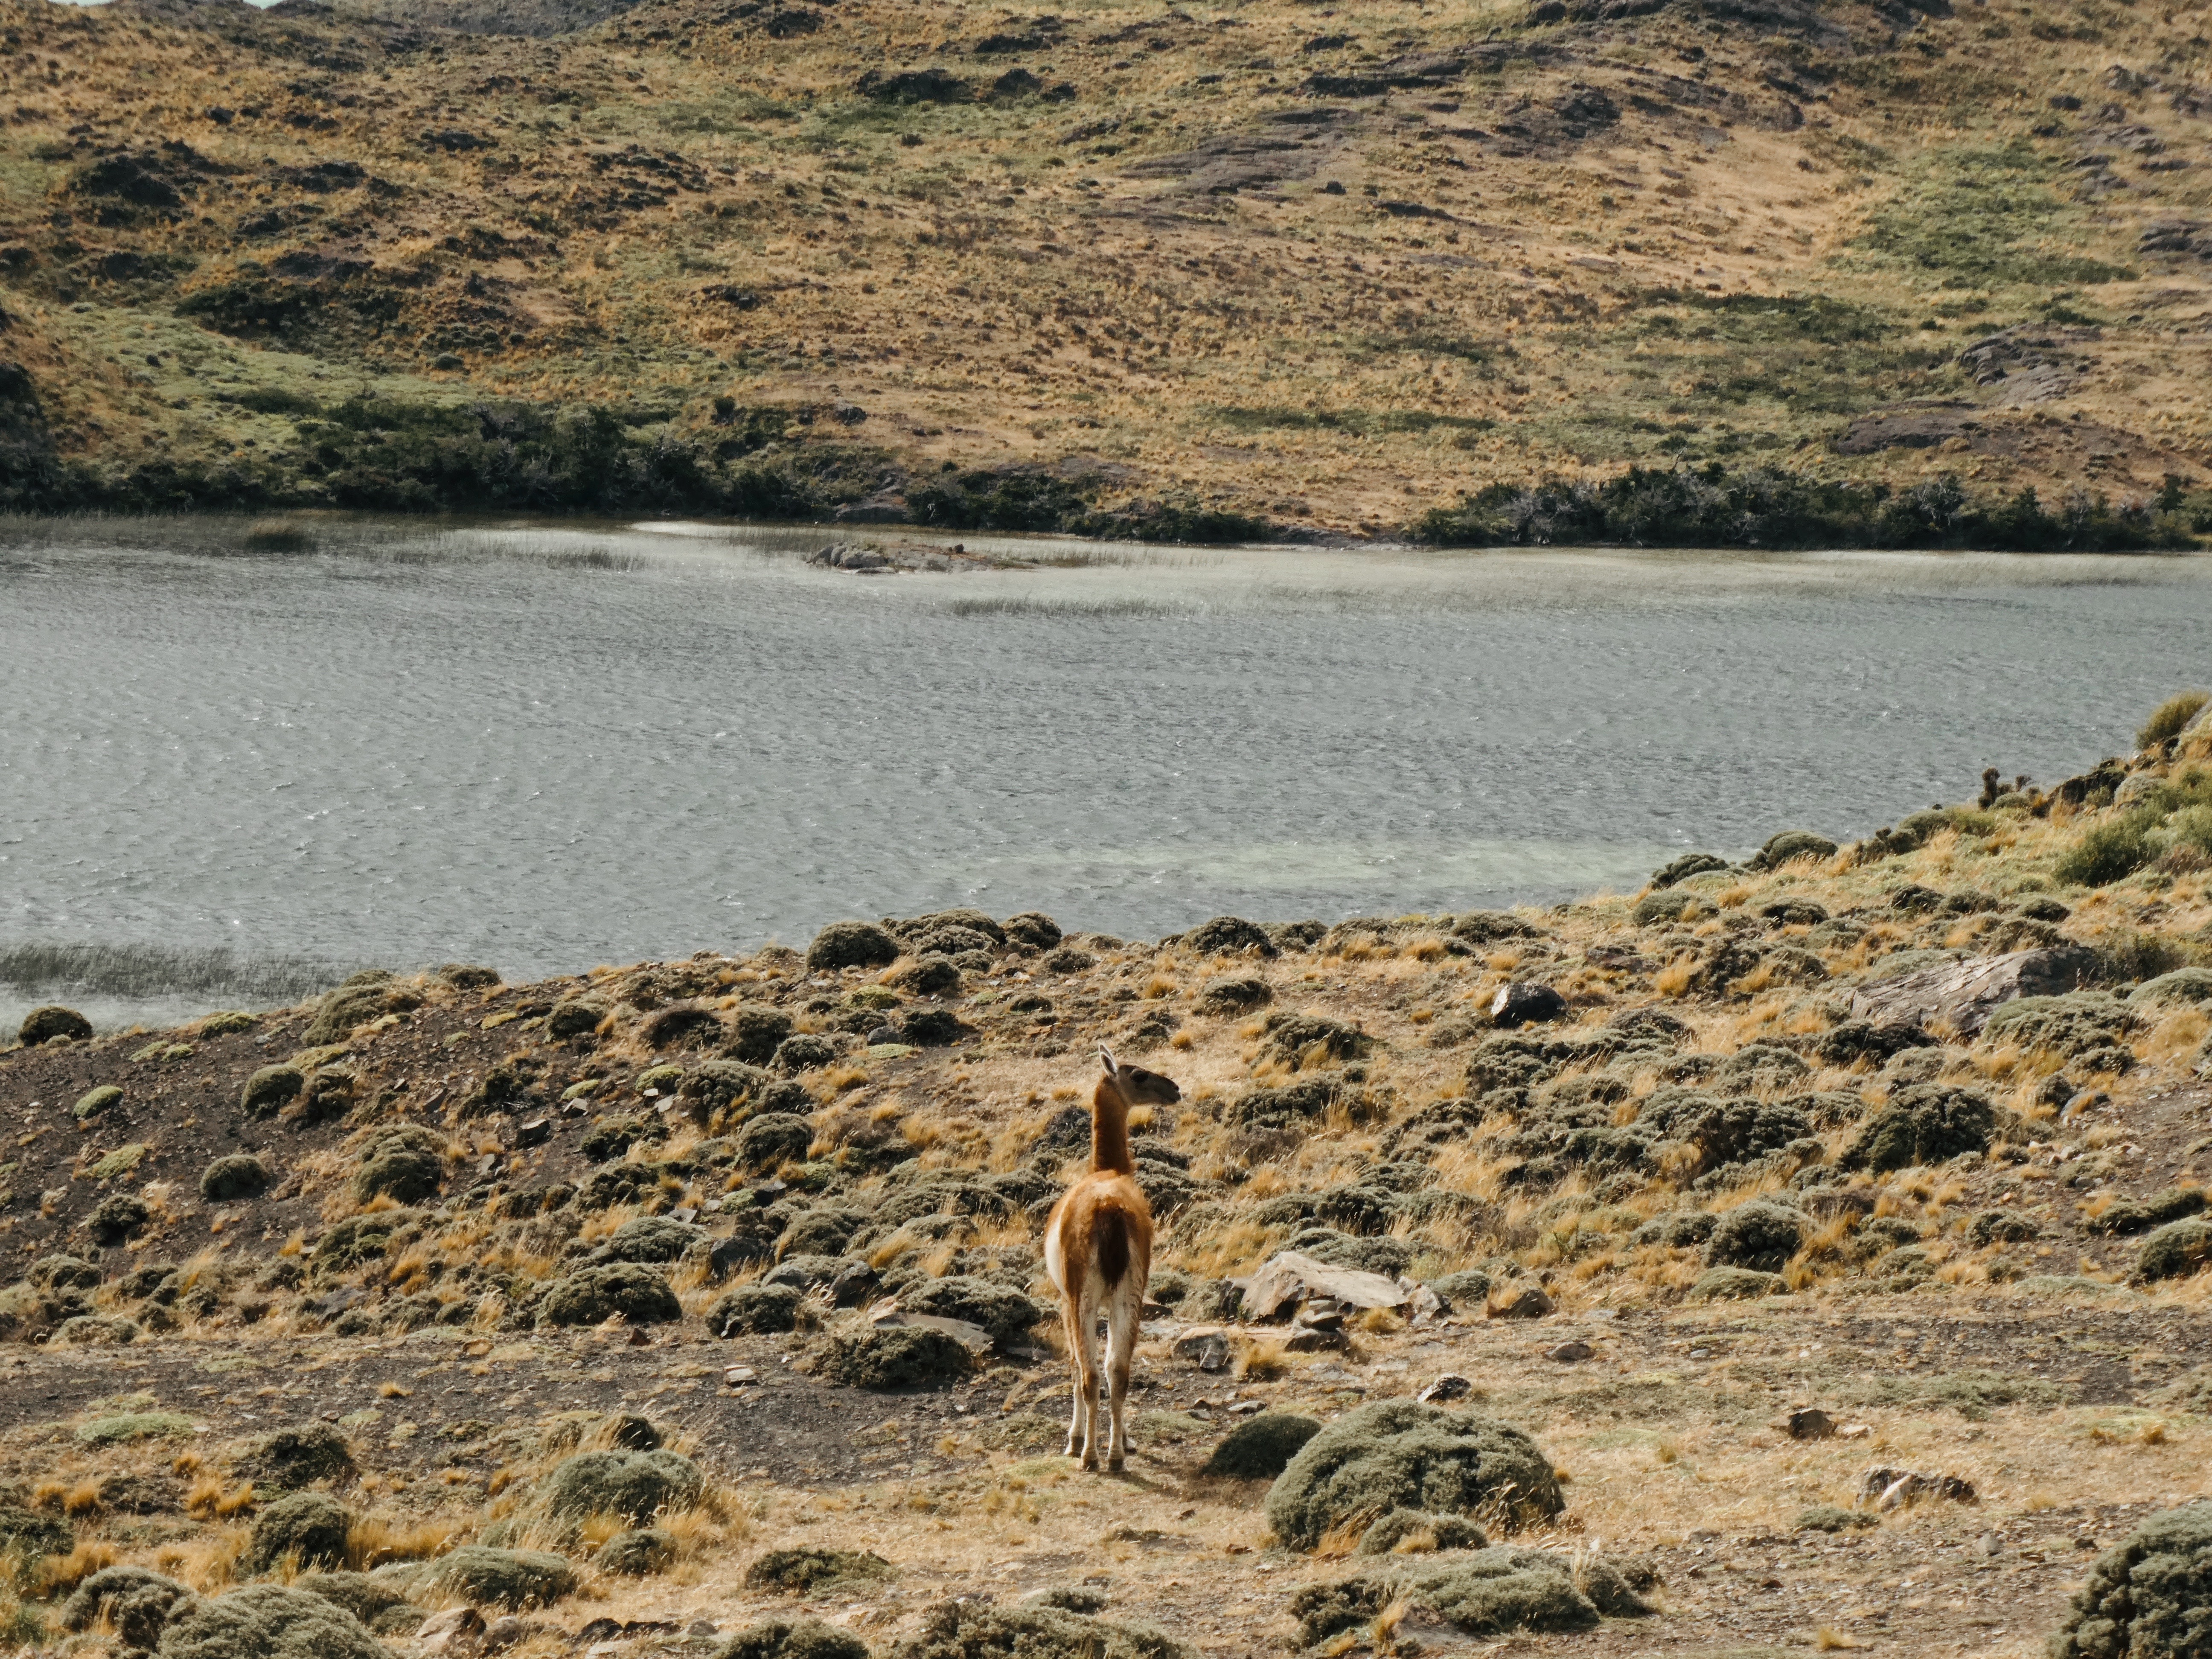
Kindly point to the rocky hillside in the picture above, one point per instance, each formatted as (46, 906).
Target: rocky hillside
(1835, 1215)
(1266, 269)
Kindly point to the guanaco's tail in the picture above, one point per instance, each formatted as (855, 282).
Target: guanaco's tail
(1113, 1246)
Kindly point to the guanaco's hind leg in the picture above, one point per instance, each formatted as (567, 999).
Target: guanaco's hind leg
(1083, 1420)
(1124, 1305)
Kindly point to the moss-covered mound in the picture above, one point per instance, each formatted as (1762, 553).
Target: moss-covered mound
(1261, 1446)
(271, 1089)
(1760, 1235)
(851, 945)
(1489, 1593)
(971, 1630)
(27, 1535)
(1399, 1454)
(2176, 1250)
(267, 1621)
(794, 1638)
(1829, 1517)
(306, 1527)
(635, 1486)
(46, 1024)
(1735, 1285)
(2150, 1598)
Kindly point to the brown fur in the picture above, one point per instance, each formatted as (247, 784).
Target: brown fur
(1100, 1234)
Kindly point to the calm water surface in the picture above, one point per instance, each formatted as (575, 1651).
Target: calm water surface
(224, 776)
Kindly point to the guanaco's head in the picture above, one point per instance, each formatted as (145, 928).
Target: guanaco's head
(1137, 1086)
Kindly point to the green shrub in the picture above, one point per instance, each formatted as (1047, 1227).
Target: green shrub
(772, 1140)
(638, 1553)
(1451, 1532)
(2150, 1598)
(307, 1526)
(28, 1535)
(1491, 1592)
(1791, 845)
(271, 1089)
(1761, 1235)
(850, 944)
(514, 1579)
(1399, 1454)
(634, 1486)
(891, 1357)
(797, 1571)
(1735, 1285)
(373, 1600)
(1003, 1313)
(267, 1621)
(1261, 1446)
(1927, 1123)
(135, 1602)
(125, 1426)
(754, 1310)
(2170, 717)
(2109, 852)
(971, 1629)
(593, 1295)
(53, 1021)
(794, 1638)
(2175, 1251)
(293, 1458)
(239, 1176)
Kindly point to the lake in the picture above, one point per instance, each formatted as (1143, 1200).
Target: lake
(229, 776)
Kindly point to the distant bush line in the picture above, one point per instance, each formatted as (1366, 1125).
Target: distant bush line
(1713, 507)
(383, 455)
(388, 456)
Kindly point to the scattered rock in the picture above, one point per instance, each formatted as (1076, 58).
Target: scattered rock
(1518, 1302)
(1526, 1004)
(1810, 1423)
(1885, 1489)
(1964, 995)
(1289, 1278)
(1570, 1353)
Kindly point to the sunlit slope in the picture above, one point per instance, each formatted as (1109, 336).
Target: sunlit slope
(1319, 266)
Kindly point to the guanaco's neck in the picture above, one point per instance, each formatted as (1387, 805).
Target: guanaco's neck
(1109, 1130)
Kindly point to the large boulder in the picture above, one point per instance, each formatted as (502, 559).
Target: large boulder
(1399, 1454)
(1964, 993)
(2150, 1598)
(267, 1621)
(633, 1486)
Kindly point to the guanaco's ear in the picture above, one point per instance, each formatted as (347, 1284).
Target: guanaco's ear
(1106, 1060)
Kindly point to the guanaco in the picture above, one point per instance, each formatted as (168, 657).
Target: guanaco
(1098, 1249)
